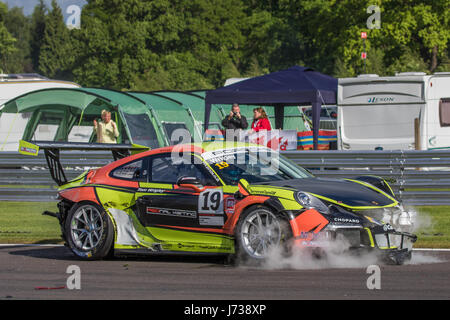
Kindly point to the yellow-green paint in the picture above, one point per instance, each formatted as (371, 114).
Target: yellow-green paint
(152, 185)
(78, 181)
(28, 148)
(279, 192)
(193, 241)
(114, 198)
(372, 243)
(290, 204)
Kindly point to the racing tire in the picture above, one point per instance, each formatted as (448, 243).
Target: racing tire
(258, 232)
(89, 231)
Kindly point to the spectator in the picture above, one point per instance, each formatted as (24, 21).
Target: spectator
(260, 120)
(106, 129)
(235, 120)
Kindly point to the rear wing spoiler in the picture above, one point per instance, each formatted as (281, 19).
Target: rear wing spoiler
(52, 153)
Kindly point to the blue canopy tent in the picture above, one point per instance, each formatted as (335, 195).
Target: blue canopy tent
(291, 87)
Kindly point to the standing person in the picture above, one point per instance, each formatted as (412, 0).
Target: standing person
(106, 129)
(260, 120)
(235, 120)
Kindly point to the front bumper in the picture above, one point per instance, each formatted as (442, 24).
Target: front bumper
(312, 229)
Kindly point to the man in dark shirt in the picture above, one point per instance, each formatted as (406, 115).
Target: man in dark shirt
(235, 120)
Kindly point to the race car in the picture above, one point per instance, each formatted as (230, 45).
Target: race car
(221, 198)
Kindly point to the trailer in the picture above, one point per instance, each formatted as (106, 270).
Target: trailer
(410, 110)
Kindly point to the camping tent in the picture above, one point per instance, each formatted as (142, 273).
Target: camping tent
(291, 87)
(67, 114)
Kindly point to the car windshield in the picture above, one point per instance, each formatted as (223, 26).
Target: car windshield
(256, 165)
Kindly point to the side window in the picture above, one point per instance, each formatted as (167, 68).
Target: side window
(135, 171)
(444, 112)
(164, 170)
(170, 127)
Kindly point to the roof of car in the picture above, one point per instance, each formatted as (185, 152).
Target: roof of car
(219, 145)
(201, 147)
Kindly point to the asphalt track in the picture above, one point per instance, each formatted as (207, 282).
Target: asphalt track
(40, 273)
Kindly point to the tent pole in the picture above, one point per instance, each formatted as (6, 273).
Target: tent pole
(316, 106)
(279, 116)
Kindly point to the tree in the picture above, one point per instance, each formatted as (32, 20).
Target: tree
(57, 56)
(37, 28)
(113, 42)
(419, 29)
(7, 41)
(18, 25)
(191, 42)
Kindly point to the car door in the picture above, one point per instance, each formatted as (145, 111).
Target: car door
(174, 213)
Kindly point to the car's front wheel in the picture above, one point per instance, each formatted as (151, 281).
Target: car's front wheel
(89, 231)
(258, 232)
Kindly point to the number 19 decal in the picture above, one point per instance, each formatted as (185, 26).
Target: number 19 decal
(210, 201)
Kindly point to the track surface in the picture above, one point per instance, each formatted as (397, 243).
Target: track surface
(23, 269)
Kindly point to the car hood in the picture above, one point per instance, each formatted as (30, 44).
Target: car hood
(343, 192)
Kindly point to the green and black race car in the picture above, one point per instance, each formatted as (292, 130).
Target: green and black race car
(222, 198)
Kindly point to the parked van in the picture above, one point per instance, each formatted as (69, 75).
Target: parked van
(12, 125)
(380, 112)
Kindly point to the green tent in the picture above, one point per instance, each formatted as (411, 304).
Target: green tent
(170, 115)
(195, 102)
(67, 114)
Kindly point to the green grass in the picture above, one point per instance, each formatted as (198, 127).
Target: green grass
(23, 222)
(434, 227)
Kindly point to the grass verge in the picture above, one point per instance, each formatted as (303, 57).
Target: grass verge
(433, 227)
(23, 222)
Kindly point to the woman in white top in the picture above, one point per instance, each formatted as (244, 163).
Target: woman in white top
(106, 129)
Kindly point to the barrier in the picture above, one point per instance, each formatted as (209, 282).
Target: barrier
(417, 177)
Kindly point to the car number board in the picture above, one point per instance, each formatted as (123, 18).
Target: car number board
(210, 207)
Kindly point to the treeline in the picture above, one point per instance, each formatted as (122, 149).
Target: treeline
(192, 44)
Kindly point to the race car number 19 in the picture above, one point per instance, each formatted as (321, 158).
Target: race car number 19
(210, 201)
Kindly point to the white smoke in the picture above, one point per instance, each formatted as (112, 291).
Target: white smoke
(332, 255)
(335, 254)
(420, 221)
(423, 258)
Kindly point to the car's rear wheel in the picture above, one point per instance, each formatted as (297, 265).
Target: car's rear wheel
(258, 232)
(89, 231)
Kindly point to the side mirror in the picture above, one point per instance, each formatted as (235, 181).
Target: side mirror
(191, 183)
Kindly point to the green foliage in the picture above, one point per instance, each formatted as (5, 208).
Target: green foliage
(18, 60)
(191, 44)
(37, 28)
(56, 53)
(7, 41)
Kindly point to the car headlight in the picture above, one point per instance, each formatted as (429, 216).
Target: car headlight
(309, 201)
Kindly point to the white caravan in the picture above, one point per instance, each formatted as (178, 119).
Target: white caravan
(379, 112)
(13, 85)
